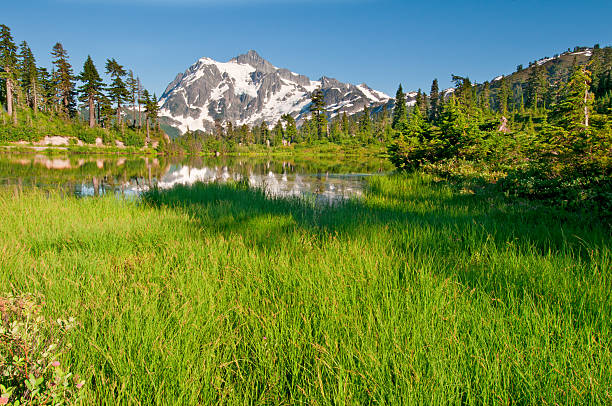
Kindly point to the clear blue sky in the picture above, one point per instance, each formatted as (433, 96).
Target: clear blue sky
(380, 42)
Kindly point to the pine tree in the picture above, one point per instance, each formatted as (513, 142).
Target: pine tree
(485, 97)
(132, 85)
(29, 75)
(8, 65)
(344, 126)
(433, 100)
(105, 111)
(117, 90)
(574, 110)
(400, 117)
(47, 89)
(290, 128)
(277, 134)
(91, 88)
(139, 104)
(64, 79)
(319, 114)
(504, 93)
(536, 87)
(151, 111)
(365, 124)
(418, 103)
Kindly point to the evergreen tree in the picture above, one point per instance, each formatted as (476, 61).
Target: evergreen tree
(400, 117)
(574, 110)
(91, 89)
(106, 112)
(485, 97)
(64, 79)
(29, 75)
(504, 94)
(290, 128)
(117, 90)
(433, 100)
(277, 134)
(151, 110)
(365, 124)
(264, 133)
(536, 87)
(344, 126)
(132, 85)
(8, 66)
(139, 94)
(47, 89)
(319, 114)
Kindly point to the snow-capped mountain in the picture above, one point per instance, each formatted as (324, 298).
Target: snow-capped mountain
(249, 90)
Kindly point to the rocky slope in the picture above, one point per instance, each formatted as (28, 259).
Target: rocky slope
(249, 90)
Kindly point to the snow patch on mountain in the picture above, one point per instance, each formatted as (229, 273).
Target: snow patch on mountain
(250, 90)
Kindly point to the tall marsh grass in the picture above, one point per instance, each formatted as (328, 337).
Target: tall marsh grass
(415, 294)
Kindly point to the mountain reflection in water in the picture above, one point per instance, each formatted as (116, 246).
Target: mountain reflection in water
(325, 179)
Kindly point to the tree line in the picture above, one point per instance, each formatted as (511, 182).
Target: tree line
(549, 136)
(28, 87)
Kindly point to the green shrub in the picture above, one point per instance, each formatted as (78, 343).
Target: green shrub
(133, 139)
(30, 351)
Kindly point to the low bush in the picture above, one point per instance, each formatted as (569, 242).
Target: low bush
(31, 347)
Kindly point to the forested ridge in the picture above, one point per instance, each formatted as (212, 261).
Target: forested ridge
(40, 102)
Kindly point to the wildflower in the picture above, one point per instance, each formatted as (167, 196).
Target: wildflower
(265, 338)
(3, 400)
(55, 364)
(80, 385)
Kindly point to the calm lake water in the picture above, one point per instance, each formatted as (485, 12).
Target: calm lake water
(326, 179)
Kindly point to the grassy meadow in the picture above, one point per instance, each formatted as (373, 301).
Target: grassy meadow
(416, 294)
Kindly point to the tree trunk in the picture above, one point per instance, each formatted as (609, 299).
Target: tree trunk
(35, 90)
(92, 113)
(10, 109)
(118, 114)
(147, 120)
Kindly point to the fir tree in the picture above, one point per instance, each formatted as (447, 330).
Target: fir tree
(91, 89)
(132, 85)
(8, 65)
(344, 126)
(64, 79)
(47, 88)
(29, 75)
(536, 87)
(433, 100)
(574, 110)
(400, 116)
(151, 111)
(117, 90)
(365, 124)
(319, 114)
(277, 134)
(290, 128)
(485, 97)
(139, 94)
(504, 93)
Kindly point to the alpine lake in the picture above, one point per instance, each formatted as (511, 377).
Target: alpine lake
(323, 179)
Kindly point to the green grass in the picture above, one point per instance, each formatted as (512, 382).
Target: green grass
(416, 294)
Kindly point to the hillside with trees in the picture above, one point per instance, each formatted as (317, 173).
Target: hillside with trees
(544, 132)
(61, 102)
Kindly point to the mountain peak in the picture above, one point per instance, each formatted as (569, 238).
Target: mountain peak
(250, 90)
(255, 60)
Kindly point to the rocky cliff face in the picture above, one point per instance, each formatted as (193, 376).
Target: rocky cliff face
(250, 90)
